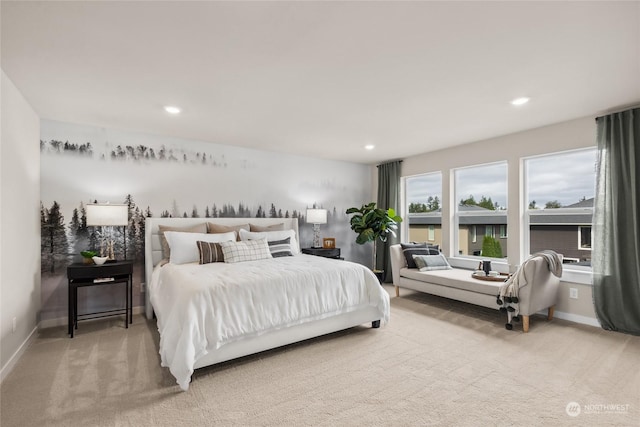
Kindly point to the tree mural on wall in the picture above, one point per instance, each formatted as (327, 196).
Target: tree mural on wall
(60, 243)
(54, 242)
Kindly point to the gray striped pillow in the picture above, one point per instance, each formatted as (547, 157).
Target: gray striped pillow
(210, 252)
(280, 248)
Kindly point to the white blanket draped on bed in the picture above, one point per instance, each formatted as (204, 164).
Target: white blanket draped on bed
(201, 308)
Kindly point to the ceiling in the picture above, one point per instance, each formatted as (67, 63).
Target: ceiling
(323, 79)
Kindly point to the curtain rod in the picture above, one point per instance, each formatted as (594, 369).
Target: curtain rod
(392, 161)
(621, 110)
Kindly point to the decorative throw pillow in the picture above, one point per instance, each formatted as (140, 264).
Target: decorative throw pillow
(411, 249)
(274, 227)
(184, 247)
(280, 248)
(210, 252)
(166, 250)
(251, 250)
(219, 228)
(431, 262)
(271, 236)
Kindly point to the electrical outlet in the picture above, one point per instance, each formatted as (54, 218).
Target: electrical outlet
(142, 287)
(573, 293)
(15, 324)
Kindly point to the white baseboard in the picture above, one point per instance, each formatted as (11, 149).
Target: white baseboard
(577, 318)
(6, 369)
(585, 320)
(63, 321)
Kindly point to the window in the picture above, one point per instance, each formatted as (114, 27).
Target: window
(560, 190)
(423, 196)
(503, 232)
(584, 238)
(488, 231)
(481, 201)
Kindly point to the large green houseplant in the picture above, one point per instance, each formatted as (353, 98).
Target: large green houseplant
(372, 224)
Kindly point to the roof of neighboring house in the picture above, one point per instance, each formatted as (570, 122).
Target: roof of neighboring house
(586, 203)
(556, 216)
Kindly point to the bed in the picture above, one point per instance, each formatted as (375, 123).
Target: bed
(211, 313)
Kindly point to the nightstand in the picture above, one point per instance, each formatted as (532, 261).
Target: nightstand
(109, 274)
(326, 253)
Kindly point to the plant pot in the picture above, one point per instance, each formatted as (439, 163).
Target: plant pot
(87, 261)
(379, 274)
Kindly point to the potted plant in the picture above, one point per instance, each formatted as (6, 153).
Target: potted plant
(87, 256)
(372, 224)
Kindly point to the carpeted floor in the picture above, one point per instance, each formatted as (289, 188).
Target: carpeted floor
(438, 362)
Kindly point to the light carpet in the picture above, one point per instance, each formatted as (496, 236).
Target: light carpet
(439, 362)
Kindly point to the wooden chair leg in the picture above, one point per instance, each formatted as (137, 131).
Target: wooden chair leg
(397, 291)
(525, 323)
(550, 313)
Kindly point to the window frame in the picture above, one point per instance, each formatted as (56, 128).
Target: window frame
(454, 204)
(525, 231)
(405, 202)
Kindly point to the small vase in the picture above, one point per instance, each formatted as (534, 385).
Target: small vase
(87, 261)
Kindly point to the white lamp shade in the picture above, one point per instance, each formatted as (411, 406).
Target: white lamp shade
(317, 216)
(107, 214)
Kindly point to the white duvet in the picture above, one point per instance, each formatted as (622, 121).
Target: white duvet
(201, 308)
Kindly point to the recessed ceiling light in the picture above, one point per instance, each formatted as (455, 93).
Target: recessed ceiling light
(369, 147)
(520, 101)
(172, 110)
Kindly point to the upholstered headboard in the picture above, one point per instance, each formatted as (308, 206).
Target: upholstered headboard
(153, 246)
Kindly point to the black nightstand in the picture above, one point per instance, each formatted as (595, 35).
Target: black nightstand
(326, 253)
(81, 275)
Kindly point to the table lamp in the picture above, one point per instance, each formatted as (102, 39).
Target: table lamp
(107, 216)
(316, 217)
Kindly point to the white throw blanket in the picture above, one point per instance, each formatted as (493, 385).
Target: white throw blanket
(201, 308)
(509, 292)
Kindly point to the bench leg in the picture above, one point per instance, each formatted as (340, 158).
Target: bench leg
(550, 313)
(375, 324)
(525, 323)
(397, 291)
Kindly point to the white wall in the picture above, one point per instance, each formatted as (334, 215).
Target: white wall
(571, 135)
(19, 223)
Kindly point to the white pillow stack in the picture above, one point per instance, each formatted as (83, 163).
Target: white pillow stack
(184, 246)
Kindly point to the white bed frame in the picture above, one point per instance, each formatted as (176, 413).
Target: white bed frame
(153, 255)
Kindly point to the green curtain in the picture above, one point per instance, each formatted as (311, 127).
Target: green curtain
(388, 197)
(616, 223)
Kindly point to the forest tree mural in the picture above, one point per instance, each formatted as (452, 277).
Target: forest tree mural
(158, 176)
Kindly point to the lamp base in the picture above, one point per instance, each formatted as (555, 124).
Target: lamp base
(316, 236)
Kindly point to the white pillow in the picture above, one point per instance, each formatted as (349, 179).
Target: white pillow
(186, 247)
(248, 250)
(272, 236)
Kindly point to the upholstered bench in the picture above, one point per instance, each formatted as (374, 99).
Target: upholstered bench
(458, 284)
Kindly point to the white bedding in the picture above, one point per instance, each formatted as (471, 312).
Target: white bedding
(200, 308)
